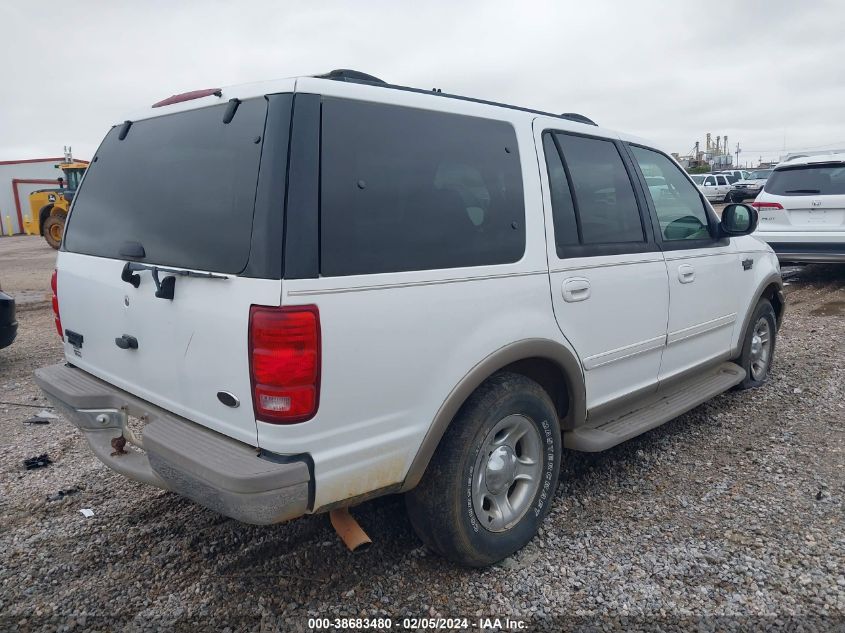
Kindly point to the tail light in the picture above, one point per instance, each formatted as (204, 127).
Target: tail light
(284, 353)
(766, 205)
(54, 286)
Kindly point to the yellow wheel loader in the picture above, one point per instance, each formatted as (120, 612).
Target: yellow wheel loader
(48, 207)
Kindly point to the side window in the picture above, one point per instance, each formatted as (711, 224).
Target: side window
(721, 180)
(563, 210)
(709, 181)
(679, 208)
(408, 189)
(607, 206)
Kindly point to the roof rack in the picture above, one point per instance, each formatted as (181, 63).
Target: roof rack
(580, 118)
(356, 76)
(353, 76)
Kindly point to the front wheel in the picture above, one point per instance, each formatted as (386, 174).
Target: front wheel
(492, 479)
(758, 348)
(54, 226)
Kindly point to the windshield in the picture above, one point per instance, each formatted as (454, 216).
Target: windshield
(824, 180)
(760, 174)
(182, 185)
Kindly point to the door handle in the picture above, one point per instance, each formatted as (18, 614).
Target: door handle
(576, 289)
(686, 274)
(126, 342)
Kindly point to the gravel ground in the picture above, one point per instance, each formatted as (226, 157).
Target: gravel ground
(732, 513)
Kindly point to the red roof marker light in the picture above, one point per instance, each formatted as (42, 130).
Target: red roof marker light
(187, 96)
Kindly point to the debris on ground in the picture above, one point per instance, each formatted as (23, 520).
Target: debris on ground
(37, 419)
(37, 462)
(87, 512)
(61, 494)
(42, 417)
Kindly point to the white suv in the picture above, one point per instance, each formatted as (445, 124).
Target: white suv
(326, 289)
(802, 209)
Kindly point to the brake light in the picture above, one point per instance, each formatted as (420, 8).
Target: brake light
(767, 205)
(284, 352)
(54, 286)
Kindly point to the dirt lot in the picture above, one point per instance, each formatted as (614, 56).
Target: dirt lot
(732, 513)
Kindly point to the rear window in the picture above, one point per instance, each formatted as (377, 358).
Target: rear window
(182, 185)
(408, 189)
(809, 180)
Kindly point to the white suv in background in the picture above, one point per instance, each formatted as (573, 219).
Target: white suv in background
(802, 209)
(326, 289)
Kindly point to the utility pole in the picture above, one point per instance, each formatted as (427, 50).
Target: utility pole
(737, 154)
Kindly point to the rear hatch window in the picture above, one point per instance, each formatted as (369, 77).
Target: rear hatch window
(182, 185)
(808, 180)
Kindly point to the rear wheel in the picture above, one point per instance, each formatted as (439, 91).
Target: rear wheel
(492, 479)
(54, 226)
(758, 349)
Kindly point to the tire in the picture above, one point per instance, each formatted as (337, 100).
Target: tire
(54, 228)
(758, 348)
(458, 507)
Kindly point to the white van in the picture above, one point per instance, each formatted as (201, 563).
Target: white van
(326, 289)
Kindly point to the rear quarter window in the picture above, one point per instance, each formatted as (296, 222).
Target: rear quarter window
(408, 189)
(182, 185)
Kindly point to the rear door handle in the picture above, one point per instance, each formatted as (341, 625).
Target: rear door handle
(576, 289)
(126, 342)
(686, 274)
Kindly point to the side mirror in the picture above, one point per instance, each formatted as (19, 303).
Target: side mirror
(738, 219)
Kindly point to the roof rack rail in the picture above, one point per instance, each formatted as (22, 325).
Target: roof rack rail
(580, 118)
(354, 76)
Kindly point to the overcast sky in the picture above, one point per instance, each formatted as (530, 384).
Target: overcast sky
(768, 73)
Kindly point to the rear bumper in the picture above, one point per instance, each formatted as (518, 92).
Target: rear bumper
(8, 325)
(213, 470)
(8, 332)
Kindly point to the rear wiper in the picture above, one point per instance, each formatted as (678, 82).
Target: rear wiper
(165, 287)
(802, 191)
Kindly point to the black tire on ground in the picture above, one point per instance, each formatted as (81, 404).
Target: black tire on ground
(762, 331)
(442, 508)
(53, 226)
